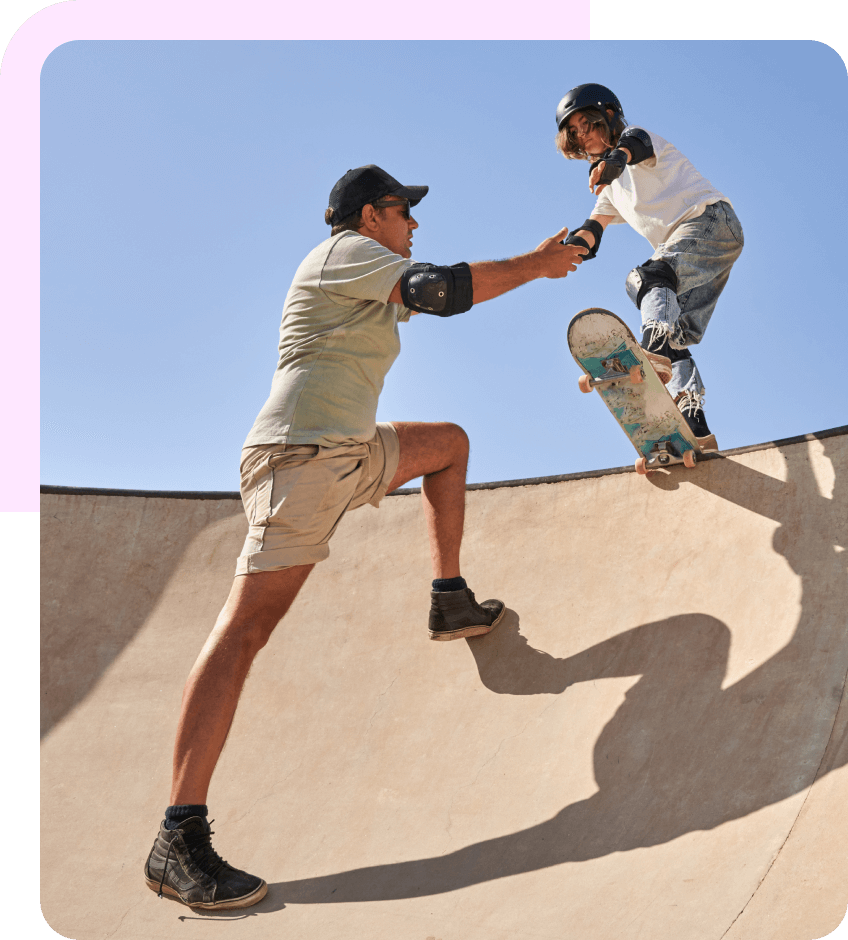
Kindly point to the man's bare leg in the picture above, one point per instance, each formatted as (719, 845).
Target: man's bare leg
(256, 604)
(182, 864)
(439, 453)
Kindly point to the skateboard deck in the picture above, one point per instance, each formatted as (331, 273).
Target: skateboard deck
(616, 365)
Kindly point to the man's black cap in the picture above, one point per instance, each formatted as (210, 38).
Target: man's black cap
(366, 184)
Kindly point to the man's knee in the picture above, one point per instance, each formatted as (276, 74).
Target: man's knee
(428, 448)
(454, 447)
(430, 438)
(458, 439)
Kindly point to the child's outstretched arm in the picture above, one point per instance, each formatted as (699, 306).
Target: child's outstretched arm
(596, 175)
(634, 146)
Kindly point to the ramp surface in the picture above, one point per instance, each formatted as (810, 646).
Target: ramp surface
(653, 744)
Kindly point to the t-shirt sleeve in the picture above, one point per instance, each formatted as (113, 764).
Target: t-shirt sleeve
(358, 268)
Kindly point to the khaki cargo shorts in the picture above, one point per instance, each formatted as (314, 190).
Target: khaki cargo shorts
(296, 494)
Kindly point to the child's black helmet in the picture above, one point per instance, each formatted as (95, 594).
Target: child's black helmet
(587, 96)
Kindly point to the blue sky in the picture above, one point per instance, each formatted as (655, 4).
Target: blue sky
(183, 183)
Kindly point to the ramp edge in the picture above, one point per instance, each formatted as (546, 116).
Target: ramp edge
(49, 489)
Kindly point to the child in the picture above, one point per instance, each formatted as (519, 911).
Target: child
(642, 179)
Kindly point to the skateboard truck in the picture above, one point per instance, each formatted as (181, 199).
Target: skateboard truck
(615, 372)
(664, 454)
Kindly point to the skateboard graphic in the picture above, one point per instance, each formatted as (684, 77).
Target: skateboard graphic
(616, 365)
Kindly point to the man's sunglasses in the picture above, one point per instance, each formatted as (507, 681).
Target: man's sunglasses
(383, 204)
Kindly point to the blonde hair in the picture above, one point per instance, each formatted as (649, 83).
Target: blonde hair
(567, 145)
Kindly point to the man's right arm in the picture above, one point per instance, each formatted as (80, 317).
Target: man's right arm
(492, 278)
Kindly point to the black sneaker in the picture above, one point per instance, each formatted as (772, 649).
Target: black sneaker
(455, 614)
(692, 409)
(183, 865)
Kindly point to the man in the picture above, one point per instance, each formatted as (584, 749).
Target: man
(315, 451)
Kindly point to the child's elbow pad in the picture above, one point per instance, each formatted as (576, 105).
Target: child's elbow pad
(638, 142)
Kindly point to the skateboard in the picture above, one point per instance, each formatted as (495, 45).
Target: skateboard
(616, 365)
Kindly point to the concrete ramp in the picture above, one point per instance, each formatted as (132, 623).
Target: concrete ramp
(652, 745)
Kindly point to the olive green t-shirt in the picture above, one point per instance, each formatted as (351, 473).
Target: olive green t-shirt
(338, 339)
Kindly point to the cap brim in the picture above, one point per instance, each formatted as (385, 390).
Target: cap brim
(413, 193)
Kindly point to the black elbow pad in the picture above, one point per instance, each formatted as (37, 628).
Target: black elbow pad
(638, 142)
(433, 288)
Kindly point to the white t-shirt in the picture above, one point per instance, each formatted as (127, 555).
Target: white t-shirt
(659, 193)
(338, 339)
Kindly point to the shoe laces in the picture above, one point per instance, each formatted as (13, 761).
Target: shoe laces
(657, 333)
(690, 403)
(199, 845)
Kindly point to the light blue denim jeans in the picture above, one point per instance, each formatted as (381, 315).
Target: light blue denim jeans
(701, 251)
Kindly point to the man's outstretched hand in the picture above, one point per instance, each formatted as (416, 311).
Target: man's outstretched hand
(560, 260)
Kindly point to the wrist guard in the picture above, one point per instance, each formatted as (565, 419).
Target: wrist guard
(614, 163)
(593, 226)
(443, 291)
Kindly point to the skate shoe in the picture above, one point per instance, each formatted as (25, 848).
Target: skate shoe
(658, 351)
(183, 865)
(692, 408)
(455, 614)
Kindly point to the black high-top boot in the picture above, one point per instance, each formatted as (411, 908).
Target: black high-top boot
(455, 614)
(183, 865)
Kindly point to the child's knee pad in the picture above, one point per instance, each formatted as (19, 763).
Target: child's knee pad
(650, 274)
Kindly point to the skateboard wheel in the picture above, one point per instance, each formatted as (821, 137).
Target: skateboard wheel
(585, 383)
(689, 459)
(637, 377)
(642, 466)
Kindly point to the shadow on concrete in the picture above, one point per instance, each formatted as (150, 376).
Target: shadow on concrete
(681, 754)
(107, 562)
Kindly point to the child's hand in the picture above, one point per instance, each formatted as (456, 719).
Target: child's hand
(604, 171)
(595, 175)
